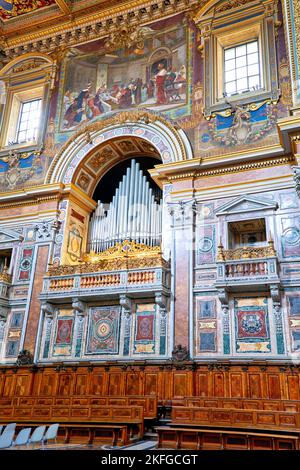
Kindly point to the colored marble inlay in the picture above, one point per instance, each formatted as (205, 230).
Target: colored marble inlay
(252, 325)
(64, 331)
(144, 338)
(25, 264)
(207, 309)
(207, 342)
(103, 330)
(206, 245)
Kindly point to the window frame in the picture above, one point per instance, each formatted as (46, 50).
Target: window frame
(220, 29)
(11, 120)
(27, 77)
(260, 72)
(22, 103)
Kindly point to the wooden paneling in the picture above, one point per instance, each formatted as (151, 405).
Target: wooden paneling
(166, 382)
(81, 382)
(115, 384)
(218, 384)
(151, 383)
(180, 384)
(236, 418)
(236, 385)
(97, 384)
(214, 439)
(274, 386)
(255, 386)
(293, 387)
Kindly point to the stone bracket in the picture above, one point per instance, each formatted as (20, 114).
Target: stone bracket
(78, 306)
(48, 309)
(161, 300)
(126, 302)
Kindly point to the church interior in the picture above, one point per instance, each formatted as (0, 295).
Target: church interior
(150, 224)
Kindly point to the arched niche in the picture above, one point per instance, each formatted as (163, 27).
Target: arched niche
(170, 142)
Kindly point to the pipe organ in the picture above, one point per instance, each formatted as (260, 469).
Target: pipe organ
(133, 214)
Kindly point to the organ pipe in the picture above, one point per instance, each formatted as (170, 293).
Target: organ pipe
(133, 214)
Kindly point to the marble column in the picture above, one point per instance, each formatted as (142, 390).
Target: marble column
(80, 310)
(183, 228)
(126, 304)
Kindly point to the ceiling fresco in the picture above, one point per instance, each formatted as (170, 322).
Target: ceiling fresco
(12, 8)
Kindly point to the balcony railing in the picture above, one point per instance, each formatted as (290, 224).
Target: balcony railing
(250, 265)
(137, 269)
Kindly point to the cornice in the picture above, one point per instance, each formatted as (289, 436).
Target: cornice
(98, 24)
(164, 174)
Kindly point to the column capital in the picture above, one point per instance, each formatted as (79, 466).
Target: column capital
(182, 212)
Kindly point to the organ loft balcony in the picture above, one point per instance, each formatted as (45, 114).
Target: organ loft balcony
(247, 266)
(127, 268)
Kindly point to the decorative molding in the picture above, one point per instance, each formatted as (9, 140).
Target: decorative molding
(14, 174)
(180, 149)
(24, 358)
(258, 165)
(180, 353)
(126, 255)
(100, 23)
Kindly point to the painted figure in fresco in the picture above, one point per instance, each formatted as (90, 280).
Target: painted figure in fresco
(150, 89)
(160, 77)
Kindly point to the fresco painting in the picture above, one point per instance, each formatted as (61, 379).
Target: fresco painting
(98, 82)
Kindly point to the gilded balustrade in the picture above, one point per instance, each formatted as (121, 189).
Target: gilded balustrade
(247, 252)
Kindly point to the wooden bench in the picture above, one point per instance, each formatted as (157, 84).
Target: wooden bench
(91, 433)
(216, 439)
(235, 418)
(130, 416)
(239, 403)
(149, 403)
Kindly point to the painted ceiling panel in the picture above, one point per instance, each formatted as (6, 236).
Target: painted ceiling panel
(12, 8)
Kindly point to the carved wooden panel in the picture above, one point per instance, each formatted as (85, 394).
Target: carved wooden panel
(133, 384)
(180, 384)
(81, 381)
(236, 385)
(254, 386)
(22, 385)
(8, 386)
(96, 384)
(64, 384)
(114, 384)
(219, 387)
(293, 387)
(274, 385)
(151, 383)
(202, 384)
(48, 384)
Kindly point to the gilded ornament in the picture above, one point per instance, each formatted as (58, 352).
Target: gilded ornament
(128, 36)
(248, 252)
(125, 255)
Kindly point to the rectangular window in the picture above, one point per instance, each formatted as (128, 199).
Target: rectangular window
(29, 121)
(242, 68)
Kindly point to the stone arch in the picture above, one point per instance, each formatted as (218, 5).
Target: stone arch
(27, 64)
(108, 154)
(169, 141)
